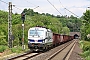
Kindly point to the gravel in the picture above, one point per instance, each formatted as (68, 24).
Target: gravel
(75, 55)
(47, 54)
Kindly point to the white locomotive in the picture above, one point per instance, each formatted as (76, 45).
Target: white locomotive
(39, 38)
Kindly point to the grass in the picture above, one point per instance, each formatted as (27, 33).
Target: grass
(18, 49)
(4, 50)
(85, 45)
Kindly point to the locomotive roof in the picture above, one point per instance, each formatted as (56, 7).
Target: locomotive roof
(40, 27)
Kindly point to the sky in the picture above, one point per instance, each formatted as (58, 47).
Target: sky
(78, 7)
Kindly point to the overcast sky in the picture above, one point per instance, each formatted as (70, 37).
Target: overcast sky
(76, 6)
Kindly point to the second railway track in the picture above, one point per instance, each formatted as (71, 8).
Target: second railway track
(62, 54)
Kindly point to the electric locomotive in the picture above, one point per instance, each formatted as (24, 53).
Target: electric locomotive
(39, 38)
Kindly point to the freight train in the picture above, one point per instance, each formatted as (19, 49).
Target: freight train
(41, 39)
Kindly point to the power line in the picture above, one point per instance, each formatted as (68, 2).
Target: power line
(67, 9)
(61, 3)
(17, 7)
(30, 3)
(37, 6)
(12, 5)
(3, 2)
(71, 12)
(53, 6)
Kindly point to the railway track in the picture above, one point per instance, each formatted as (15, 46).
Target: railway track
(62, 54)
(25, 56)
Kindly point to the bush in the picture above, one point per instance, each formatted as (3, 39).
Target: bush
(86, 49)
(86, 53)
(3, 48)
(86, 46)
(16, 49)
(88, 58)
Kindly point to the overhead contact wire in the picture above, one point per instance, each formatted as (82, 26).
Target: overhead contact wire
(53, 6)
(67, 9)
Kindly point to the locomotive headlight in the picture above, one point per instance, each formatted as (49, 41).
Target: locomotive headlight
(43, 40)
(28, 41)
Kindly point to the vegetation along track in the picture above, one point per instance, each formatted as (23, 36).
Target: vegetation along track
(62, 54)
(25, 56)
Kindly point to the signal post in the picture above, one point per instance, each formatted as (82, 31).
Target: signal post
(10, 41)
(23, 19)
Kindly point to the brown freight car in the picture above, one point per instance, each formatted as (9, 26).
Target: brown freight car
(56, 39)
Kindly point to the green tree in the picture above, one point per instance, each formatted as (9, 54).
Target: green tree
(85, 30)
(65, 30)
(86, 16)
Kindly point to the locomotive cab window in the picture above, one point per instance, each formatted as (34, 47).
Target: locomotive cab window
(36, 32)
